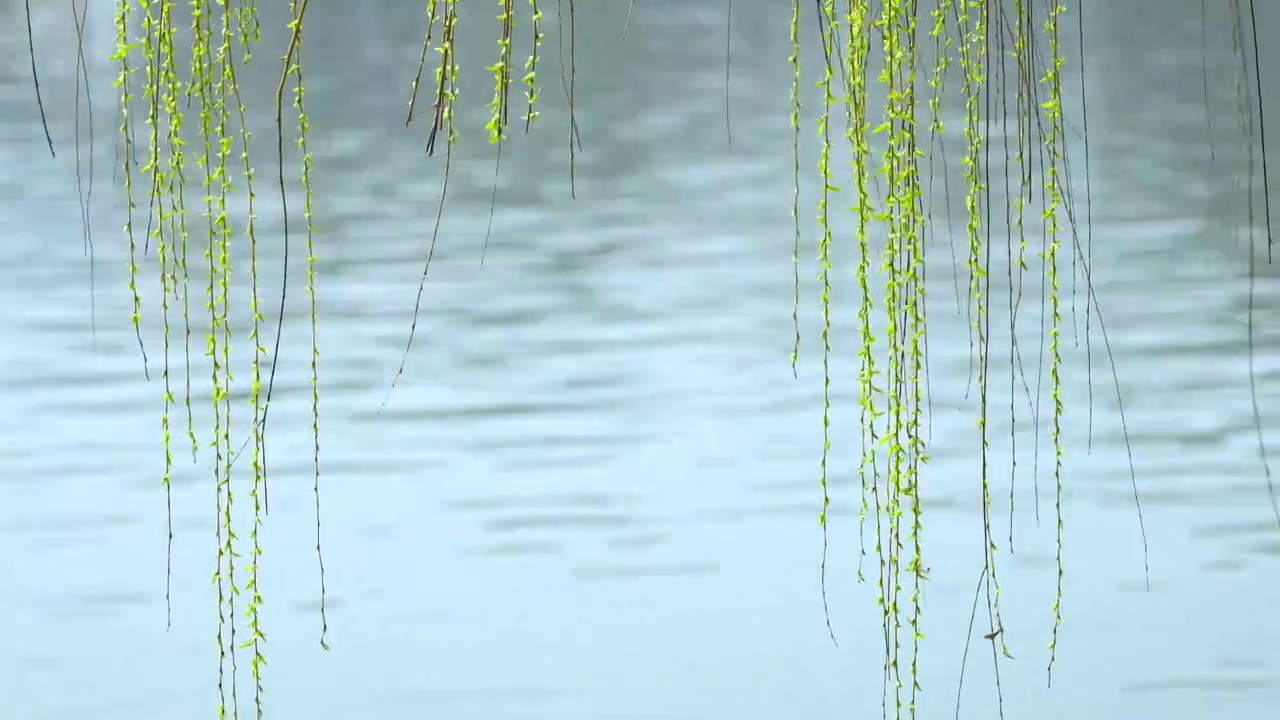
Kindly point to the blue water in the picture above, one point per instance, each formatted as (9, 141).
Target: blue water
(593, 493)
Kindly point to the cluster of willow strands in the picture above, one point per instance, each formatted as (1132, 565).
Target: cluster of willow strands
(443, 109)
(977, 36)
(222, 34)
(427, 47)
(942, 48)
(981, 37)
(501, 70)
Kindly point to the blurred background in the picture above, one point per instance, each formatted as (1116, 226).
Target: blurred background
(594, 491)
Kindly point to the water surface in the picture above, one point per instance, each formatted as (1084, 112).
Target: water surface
(593, 492)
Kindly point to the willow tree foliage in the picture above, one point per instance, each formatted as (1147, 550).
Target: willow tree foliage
(886, 68)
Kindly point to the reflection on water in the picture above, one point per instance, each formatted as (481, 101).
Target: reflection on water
(592, 493)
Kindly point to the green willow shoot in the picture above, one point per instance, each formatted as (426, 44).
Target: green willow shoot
(828, 22)
(1052, 142)
(794, 59)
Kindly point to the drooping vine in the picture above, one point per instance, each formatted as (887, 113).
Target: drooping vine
(857, 131)
(530, 78)
(35, 77)
(1243, 108)
(828, 22)
(571, 95)
(124, 46)
(84, 186)
(974, 21)
(153, 60)
(221, 35)
(794, 59)
(446, 94)
(171, 244)
(293, 68)
(1052, 143)
(497, 125)
(245, 21)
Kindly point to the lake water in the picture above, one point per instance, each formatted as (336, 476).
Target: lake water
(593, 493)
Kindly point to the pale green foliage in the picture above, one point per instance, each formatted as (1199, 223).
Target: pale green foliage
(859, 40)
(222, 34)
(884, 39)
